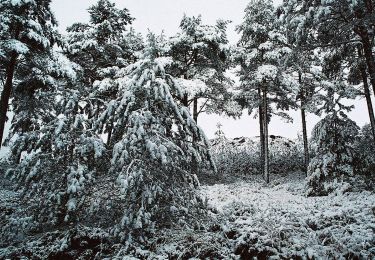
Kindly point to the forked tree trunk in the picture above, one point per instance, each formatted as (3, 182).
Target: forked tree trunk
(6, 93)
(265, 126)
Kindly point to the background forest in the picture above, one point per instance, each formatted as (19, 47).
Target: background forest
(107, 159)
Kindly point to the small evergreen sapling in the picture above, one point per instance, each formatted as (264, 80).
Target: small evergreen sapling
(333, 137)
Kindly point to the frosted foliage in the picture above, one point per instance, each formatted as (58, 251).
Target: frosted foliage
(34, 26)
(192, 87)
(154, 148)
(200, 58)
(261, 54)
(62, 160)
(332, 167)
(266, 72)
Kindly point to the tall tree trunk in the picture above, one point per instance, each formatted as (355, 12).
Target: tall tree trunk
(261, 132)
(369, 102)
(304, 127)
(367, 48)
(265, 127)
(5, 95)
(367, 94)
(305, 140)
(194, 163)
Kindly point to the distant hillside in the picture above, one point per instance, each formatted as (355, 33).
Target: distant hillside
(275, 141)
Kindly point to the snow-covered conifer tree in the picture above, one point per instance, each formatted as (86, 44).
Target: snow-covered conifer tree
(56, 155)
(336, 25)
(27, 32)
(264, 84)
(101, 48)
(154, 145)
(333, 138)
(200, 58)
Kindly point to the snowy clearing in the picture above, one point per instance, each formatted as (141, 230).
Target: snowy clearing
(279, 220)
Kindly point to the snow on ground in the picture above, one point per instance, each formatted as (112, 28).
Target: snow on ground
(247, 219)
(278, 220)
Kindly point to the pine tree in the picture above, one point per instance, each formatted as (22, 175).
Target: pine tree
(335, 24)
(331, 168)
(59, 155)
(201, 56)
(101, 48)
(263, 80)
(331, 29)
(27, 32)
(334, 136)
(357, 75)
(303, 66)
(153, 154)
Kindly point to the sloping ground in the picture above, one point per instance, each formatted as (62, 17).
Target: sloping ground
(277, 221)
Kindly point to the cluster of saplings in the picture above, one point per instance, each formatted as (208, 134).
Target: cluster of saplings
(104, 130)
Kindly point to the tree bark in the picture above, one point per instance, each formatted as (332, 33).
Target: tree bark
(110, 129)
(369, 103)
(195, 110)
(304, 128)
(185, 100)
(194, 163)
(265, 127)
(305, 140)
(261, 132)
(367, 48)
(6, 93)
(367, 95)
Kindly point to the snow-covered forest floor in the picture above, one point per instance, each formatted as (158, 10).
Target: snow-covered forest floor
(277, 219)
(247, 218)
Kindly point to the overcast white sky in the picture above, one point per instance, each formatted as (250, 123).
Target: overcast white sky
(159, 15)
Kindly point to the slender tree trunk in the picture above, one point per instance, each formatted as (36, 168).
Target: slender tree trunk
(110, 129)
(194, 163)
(195, 110)
(185, 100)
(369, 103)
(261, 132)
(6, 93)
(305, 140)
(368, 99)
(265, 127)
(304, 128)
(370, 61)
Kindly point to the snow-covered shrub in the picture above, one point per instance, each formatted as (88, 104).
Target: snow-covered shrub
(242, 155)
(156, 140)
(78, 242)
(236, 156)
(365, 146)
(332, 166)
